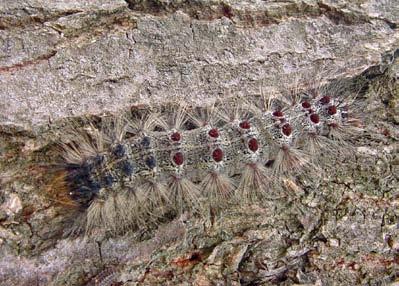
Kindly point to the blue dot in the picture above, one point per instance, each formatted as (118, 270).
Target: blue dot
(108, 180)
(146, 141)
(151, 162)
(119, 151)
(126, 167)
(98, 160)
(94, 186)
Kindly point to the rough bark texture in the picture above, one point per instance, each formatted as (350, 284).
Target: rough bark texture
(62, 59)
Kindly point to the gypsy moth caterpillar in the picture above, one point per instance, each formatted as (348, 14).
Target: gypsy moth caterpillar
(144, 166)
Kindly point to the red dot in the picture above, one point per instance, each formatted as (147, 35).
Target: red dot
(278, 113)
(214, 133)
(286, 129)
(217, 155)
(325, 100)
(245, 125)
(253, 144)
(175, 137)
(306, 104)
(314, 117)
(178, 158)
(332, 109)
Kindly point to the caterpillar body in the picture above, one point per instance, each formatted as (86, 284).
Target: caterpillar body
(139, 170)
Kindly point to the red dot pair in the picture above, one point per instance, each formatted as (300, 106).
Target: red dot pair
(332, 109)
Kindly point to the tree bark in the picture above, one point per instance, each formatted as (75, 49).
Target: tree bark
(73, 60)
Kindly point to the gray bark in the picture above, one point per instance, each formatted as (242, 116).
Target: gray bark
(75, 59)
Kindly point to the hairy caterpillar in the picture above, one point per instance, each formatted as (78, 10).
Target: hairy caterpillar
(141, 168)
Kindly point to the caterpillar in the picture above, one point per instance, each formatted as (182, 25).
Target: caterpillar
(155, 162)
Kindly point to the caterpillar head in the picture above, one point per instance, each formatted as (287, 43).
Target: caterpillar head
(82, 180)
